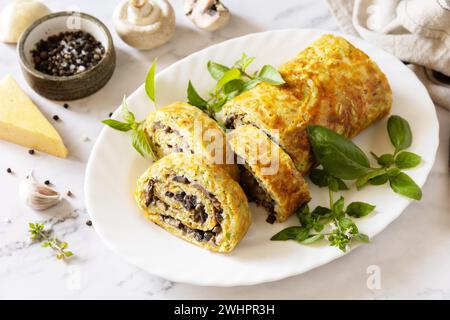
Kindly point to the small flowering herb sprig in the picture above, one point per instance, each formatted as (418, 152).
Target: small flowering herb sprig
(139, 138)
(38, 233)
(231, 81)
(334, 224)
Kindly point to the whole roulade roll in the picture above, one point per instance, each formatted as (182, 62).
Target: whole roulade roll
(330, 83)
(180, 127)
(195, 201)
(268, 175)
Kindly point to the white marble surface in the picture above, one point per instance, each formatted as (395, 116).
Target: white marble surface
(412, 253)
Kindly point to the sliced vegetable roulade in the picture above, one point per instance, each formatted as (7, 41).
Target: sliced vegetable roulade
(180, 127)
(195, 201)
(331, 83)
(268, 174)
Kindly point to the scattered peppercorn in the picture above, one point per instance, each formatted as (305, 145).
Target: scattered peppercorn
(69, 193)
(66, 105)
(31, 151)
(47, 182)
(67, 53)
(55, 117)
(89, 223)
(9, 170)
(110, 114)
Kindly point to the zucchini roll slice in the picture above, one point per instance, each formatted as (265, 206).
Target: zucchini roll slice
(180, 127)
(195, 201)
(268, 174)
(331, 83)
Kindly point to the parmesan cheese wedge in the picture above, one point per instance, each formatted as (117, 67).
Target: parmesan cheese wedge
(22, 122)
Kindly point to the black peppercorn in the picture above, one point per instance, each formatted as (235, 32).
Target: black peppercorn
(9, 170)
(89, 223)
(110, 114)
(47, 182)
(55, 117)
(31, 151)
(69, 193)
(66, 105)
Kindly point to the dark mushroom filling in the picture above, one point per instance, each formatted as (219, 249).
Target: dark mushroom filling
(171, 141)
(190, 202)
(256, 193)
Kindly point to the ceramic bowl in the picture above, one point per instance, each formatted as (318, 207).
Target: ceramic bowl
(66, 87)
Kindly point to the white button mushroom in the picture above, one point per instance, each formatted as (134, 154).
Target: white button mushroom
(209, 15)
(144, 24)
(17, 16)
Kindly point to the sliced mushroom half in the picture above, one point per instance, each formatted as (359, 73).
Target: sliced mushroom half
(209, 15)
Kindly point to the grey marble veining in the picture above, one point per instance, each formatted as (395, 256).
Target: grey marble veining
(411, 254)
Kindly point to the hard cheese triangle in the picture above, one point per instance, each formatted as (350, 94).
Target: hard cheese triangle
(22, 123)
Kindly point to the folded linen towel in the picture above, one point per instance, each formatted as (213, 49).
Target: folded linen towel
(416, 31)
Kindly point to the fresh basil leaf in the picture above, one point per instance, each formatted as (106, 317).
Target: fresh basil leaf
(404, 185)
(399, 133)
(347, 224)
(379, 180)
(392, 172)
(320, 211)
(118, 125)
(194, 98)
(363, 180)
(250, 84)
(233, 88)
(319, 177)
(318, 227)
(407, 160)
(361, 237)
(141, 144)
(338, 206)
(216, 70)
(217, 106)
(339, 156)
(227, 77)
(359, 209)
(270, 75)
(333, 184)
(341, 184)
(385, 160)
(127, 115)
(303, 216)
(150, 82)
(244, 62)
(291, 233)
(312, 238)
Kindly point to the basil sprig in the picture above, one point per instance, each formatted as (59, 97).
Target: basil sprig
(333, 224)
(342, 159)
(230, 82)
(139, 138)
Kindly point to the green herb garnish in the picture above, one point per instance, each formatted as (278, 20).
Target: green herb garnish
(332, 223)
(139, 138)
(342, 159)
(231, 81)
(37, 233)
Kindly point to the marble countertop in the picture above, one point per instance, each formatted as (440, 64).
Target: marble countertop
(410, 258)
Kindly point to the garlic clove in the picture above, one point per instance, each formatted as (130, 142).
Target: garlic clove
(209, 15)
(36, 195)
(19, 15)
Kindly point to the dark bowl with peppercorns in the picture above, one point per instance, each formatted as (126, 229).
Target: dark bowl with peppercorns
(67, 55)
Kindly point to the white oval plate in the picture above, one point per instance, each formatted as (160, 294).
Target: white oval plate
(114, 167)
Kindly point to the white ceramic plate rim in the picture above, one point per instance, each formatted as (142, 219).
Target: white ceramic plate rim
(230, 281)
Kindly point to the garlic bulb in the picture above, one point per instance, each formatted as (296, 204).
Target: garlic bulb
(19, 15)
(209, 15)
(36, 195)
(144, 24)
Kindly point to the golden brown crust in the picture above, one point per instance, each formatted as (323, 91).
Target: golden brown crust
(197, 132)
(330, 83)
(272, 168)
(212, 179)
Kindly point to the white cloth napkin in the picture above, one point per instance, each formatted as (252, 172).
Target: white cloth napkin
(416, 31)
